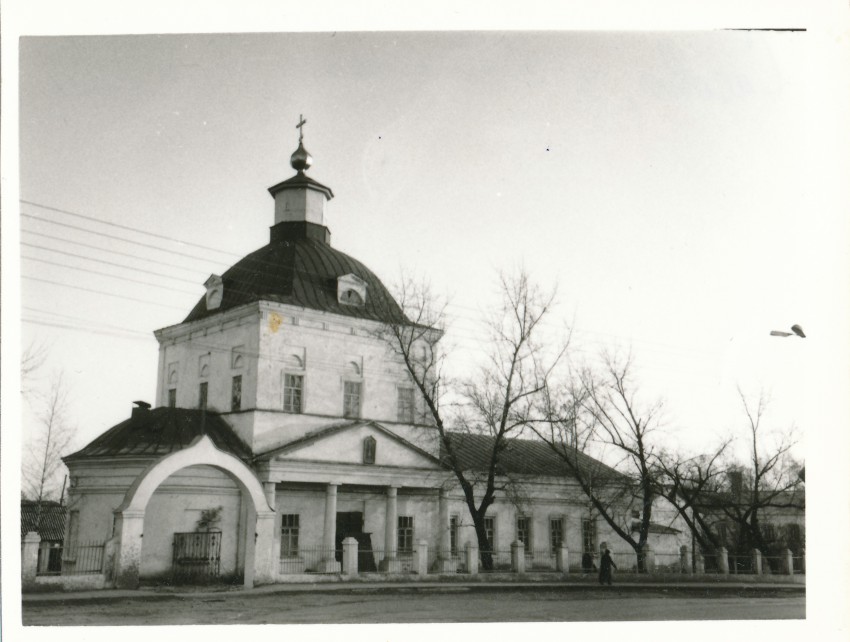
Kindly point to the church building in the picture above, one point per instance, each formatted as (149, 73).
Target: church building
(284, 425)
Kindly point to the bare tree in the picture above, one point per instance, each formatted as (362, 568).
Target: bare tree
(49, 439)
(600, 410)
(32, 359)
(688, 485)
(489, 408)
(767, 481)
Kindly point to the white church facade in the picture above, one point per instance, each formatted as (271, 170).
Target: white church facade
(283, 426)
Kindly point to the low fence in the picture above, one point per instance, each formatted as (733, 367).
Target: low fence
(83, 559)
(352, 560)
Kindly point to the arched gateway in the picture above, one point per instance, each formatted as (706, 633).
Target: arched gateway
(256, 543)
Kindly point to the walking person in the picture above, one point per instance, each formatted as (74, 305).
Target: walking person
(605, 565)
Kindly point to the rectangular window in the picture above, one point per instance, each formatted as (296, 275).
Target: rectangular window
(588, 535)
(202, 395)
(453, 533)
(293, 387)
(405, 534)
(490, 530)
(768, 532)
(556, 533)
(351, 399)
(236, 394)
(172, 397)
(289, 536)
(523, 532)
(405, 405)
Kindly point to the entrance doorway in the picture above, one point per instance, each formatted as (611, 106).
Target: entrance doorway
(351, 525)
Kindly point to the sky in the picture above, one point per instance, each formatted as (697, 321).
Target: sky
(657, 180)
(683, 186)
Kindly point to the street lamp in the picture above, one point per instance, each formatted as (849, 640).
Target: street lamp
(795, 329)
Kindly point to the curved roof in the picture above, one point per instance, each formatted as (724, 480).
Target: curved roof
(298, 269)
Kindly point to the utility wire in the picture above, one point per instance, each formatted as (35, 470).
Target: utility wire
(104, 262)
(103, 249)
(127, 227)
(118, 296)
(111, 276)
(119, 238)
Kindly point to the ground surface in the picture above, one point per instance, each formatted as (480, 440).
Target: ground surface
(425, 604)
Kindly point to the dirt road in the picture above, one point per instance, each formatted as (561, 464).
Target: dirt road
(422, 604)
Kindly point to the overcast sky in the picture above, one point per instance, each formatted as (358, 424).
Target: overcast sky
(658, 179)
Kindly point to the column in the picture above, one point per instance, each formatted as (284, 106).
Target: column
(349, 557)
(265, 560)
(390, 563)
(518, 557)
(29, 558)
(130, 525)
(685, 560)
(471, 558)
(446, 563)
(789, 562)
(723, 560)
(756, 554)
(329, 563)
(562, 559)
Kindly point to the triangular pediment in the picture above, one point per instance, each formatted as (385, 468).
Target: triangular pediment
(365, 443)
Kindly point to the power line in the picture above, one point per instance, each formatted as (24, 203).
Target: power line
(63, 326)
(126, 227)
(104, 262)
(104, 249)
(111, 276)
(119, 238)
(118, 296)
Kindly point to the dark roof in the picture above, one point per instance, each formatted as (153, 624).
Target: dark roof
(522, 456)
(301, 180)
(51, 522)
(300, 269)
(162, 431)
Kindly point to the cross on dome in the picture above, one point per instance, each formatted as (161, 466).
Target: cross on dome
(301, 159)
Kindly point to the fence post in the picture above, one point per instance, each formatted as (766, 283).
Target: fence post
(29, 557)
(699, 563)
(108, 565)
(648, 558)
(562, 558)
(756, 553)
(471, 558)
(518, 557)
(723, 560)
(685, 560)
(789, 562)
(803, 560)
(349, 556)
(420, 557)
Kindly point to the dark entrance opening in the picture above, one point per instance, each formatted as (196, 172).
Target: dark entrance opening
(351, 525)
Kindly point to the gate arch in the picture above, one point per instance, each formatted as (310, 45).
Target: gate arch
(130, 515)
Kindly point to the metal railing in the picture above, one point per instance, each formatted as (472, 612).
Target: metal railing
(310, 559)
(495, 561)
(85, 558)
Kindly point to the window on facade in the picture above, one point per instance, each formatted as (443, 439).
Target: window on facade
(172, 397)
(405, 534)
(490, 530)
(293, 390)
(236, 394)
(289, 536)
(369, 447)
(202, 394)
(588, 535)
(523, 532)
(722, 533)
(556, 532)
(768, 532)
(453, 533)
(351, 399)
(405, 405)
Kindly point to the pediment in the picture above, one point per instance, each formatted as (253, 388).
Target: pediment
(367, 444)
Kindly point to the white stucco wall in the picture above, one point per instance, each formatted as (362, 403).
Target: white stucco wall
(299, 205)
(176, 507)
(184, 350)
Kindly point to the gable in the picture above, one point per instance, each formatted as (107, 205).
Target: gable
(348, 444)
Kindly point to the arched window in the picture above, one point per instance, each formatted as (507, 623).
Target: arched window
(369, 446)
